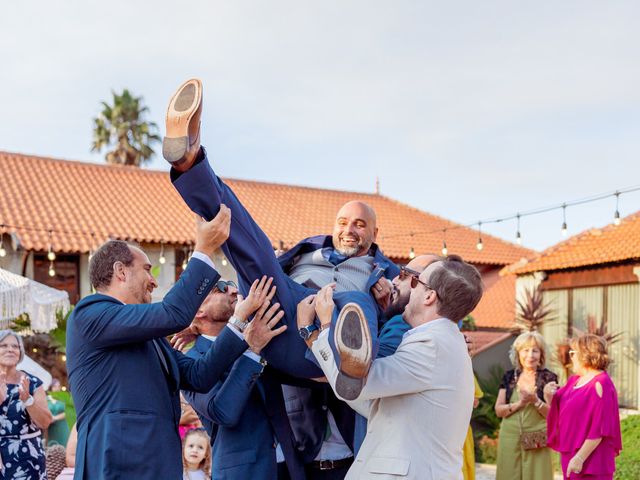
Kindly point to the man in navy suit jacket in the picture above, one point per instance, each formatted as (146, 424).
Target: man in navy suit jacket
(125, 378)
(244, 413)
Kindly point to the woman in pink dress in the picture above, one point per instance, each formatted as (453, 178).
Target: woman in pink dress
(583, 422)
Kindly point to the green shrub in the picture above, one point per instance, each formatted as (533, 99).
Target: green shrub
(69, 408)
(628, 463)
(488, 449)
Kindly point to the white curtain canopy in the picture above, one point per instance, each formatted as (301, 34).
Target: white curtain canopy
(20, 295)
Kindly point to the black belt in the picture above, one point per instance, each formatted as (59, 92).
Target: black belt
(331, 464)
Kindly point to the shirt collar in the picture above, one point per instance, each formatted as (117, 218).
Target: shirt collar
(211, 338)
(425, 327)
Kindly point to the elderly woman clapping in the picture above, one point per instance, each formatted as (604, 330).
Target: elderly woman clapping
(522, 452)
(584, 423)
(23, 414)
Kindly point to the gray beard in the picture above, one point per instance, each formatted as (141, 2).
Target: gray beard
(348, 252)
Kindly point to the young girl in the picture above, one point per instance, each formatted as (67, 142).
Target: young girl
(196, 455)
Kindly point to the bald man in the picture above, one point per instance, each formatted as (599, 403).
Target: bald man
(349, 257)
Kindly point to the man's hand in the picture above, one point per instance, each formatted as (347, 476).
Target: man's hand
(260, 331)
(306, 311)
(259, 293)
(325, 305)
(211, 235)
(382, 292)
(181, 339)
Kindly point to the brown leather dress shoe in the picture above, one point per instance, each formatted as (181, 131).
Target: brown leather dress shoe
(353, 344)
(181, 143)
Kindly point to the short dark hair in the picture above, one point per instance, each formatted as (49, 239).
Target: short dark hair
(459, 287)
(101, 263)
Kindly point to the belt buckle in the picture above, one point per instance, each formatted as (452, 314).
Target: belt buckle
(326, 465)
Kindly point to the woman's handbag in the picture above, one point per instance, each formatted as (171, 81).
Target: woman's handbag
(533, 440)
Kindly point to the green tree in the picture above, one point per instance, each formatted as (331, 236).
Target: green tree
(123, 126)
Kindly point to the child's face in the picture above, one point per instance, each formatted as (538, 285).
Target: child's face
(195, 449)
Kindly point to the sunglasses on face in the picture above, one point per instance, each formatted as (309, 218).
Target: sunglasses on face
(223, 285)
(415, 278)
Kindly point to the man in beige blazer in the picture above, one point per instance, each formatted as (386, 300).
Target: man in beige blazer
(418, 400)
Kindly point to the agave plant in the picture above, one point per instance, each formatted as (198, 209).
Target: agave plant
(532, 311)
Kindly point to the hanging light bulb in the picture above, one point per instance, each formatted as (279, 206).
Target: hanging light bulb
(563, 231)
(3, 252)
(184, 264)
(51, 256)
(52, 270)
(518, 236)
(445, 251)
(616, 216)
(162, 258)
(224, 262)
(479, 245)
(412, 253)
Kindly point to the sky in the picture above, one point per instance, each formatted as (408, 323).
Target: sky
(465, 109)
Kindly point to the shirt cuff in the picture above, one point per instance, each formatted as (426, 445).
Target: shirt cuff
(253, 356)
(204, 258)
(236, 331)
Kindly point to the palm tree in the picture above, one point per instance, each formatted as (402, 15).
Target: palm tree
(123, 125)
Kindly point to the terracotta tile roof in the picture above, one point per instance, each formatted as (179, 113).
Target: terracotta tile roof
(484, 340)
(128, 202)
(497, 308)
(613, 243)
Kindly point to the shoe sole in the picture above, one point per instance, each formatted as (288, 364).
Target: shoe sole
(353, 343)
(184, 104)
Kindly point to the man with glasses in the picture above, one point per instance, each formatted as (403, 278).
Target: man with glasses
(349, 257)
(419, 399)
(243, 414)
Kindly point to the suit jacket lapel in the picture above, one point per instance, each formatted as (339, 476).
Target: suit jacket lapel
(170, 366)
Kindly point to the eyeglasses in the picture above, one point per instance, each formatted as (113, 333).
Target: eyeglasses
(415, 278)
(223, 285)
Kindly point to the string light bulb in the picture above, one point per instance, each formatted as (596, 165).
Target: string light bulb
(224, 262)
(518, 236)
(563, 231)
(3, 252)
(51, 256)
(445, 251)
(52, 270)
(479, 245)
(162, 258)
(412, 253)
(616, 216)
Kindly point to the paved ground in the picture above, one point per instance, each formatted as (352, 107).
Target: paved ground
(488, 472)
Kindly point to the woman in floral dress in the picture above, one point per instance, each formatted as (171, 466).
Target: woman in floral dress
(23, 415)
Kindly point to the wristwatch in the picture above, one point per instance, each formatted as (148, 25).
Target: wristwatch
(29, 401)
(239, 324)
(305, 332)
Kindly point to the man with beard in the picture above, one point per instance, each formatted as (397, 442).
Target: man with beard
(349, 257)
(243, 413)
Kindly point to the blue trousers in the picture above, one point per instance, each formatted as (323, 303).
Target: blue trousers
(251, 254)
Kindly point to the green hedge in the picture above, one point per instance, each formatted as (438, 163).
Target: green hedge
(69, 408)
(628, 463)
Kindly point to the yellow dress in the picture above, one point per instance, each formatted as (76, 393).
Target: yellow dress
(468, 453)
(514, 463)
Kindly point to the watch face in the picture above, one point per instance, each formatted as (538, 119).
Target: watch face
(304, 333)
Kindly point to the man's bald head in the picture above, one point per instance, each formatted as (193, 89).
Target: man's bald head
(355, 229)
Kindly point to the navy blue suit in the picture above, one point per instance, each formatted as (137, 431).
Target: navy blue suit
(251, 254)
(125, 379)
(243, 413)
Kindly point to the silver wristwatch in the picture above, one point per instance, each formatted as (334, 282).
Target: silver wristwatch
(239, 324)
